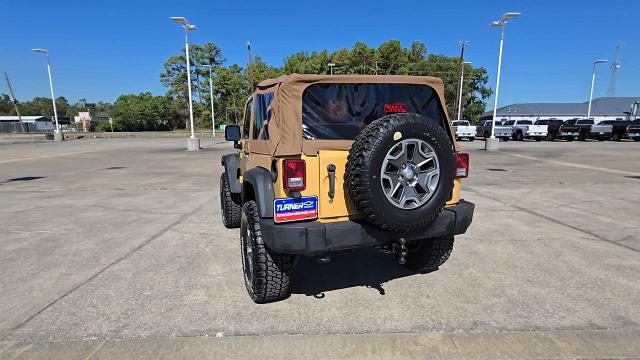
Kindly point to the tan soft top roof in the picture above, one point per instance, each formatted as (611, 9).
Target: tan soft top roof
(311, 78)
(285, 126)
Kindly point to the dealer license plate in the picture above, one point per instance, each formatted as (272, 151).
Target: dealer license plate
(289, 209)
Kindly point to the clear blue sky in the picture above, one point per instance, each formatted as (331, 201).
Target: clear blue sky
(100, 49)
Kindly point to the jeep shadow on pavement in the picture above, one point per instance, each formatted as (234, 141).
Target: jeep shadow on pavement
(331, 163)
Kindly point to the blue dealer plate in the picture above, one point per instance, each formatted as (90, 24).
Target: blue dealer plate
(289, 209)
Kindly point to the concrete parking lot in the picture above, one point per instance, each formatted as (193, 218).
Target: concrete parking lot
(116, 247)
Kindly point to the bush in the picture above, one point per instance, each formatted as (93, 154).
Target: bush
(101, 126)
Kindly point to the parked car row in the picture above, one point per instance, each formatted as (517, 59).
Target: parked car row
(550, 130)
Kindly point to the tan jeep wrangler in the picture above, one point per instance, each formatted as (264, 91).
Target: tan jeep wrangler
(330, 163)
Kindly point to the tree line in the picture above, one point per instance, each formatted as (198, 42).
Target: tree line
(233, 83)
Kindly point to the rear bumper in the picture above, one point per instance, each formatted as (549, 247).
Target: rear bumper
(600, 134)
(315, 238)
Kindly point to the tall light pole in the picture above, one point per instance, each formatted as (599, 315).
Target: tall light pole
(493, 144)
(249, 66)
(331, 65)
(193, 144)
(213, 118)
(461, 83)
(593, 80)
(463, 45)
(57, 134)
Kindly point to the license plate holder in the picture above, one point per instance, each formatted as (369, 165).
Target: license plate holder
(290, 209)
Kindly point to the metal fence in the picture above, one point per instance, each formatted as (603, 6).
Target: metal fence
(16, 127)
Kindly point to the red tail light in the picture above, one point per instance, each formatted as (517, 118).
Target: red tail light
(560, 129)
(295, 174)
(395, 108)
(626, 129)
(462, 165)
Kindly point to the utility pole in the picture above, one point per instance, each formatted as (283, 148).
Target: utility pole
(14, 100)
(462, 45)
(249, 67)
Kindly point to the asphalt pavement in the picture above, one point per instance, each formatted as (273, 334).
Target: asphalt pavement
(114, 247)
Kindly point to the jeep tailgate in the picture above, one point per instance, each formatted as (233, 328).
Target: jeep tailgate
(340, 206)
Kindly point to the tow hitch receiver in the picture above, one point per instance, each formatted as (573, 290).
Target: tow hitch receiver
(400, 249)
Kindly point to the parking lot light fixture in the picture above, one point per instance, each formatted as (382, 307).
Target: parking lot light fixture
(213, 118)
(510, 15)
(500, 23)
(187, 27)
(593, 80)
(45, 52)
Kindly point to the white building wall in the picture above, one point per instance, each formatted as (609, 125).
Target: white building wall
(596, 118)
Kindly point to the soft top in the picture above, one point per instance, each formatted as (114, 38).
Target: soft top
(285, 124)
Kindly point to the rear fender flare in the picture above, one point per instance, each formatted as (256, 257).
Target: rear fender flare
(258, 185)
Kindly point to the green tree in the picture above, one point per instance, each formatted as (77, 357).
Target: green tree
(144, 112)
(363, 59)
(6, 106)
(230, 91)
(393, 58)
(342, 59)
(232, 85)
(297, 63)
(260, 71)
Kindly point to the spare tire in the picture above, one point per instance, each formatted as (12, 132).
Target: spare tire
(400, 171)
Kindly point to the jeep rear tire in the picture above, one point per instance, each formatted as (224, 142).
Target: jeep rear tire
(267, 275)
(230, 207)
(400, 171)
(428, 255)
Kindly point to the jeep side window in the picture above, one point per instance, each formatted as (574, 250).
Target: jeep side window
(262, 115)
(247, 119)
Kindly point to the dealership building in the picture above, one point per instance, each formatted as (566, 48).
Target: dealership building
(603, 108)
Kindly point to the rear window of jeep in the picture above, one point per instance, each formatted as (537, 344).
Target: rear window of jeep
(340, 111)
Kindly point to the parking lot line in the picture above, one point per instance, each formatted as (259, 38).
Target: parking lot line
(581, 166)
(48, 156)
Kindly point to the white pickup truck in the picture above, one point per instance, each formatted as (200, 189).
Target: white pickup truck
(524, 129)
(463, 129)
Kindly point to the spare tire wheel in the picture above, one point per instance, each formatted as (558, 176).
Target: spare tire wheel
(400, 171)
